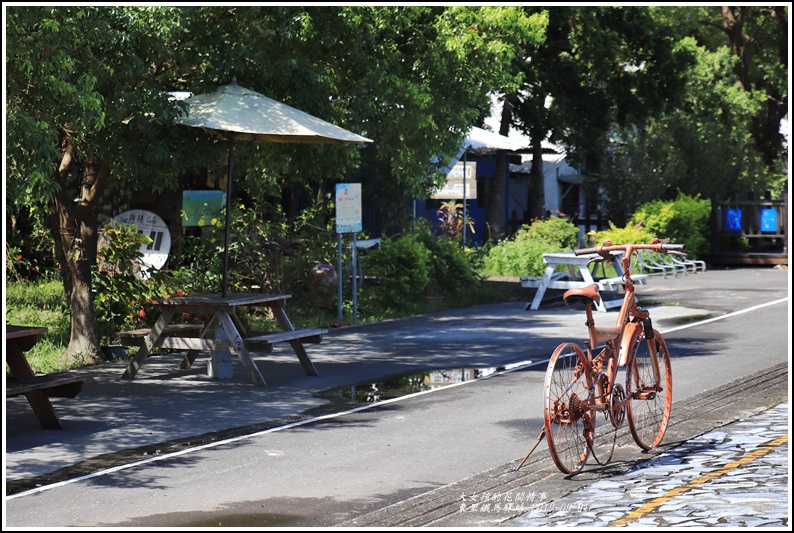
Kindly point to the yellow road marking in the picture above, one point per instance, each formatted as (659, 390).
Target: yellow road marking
(656, 502)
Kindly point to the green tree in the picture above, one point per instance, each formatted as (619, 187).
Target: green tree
(759, 40)
(641, 165)
(429, 76)
(413, 78)
(713, 129)
(598, 66)
(85, 109)
(88, 105)
(722, 138)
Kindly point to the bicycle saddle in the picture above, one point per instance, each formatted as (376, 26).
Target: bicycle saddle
(583, 295)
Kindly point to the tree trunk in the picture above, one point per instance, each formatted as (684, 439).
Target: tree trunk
(496, 216)
(535, 196)
(767, 139)
(496, 200)
(74, 225)
(733, 26)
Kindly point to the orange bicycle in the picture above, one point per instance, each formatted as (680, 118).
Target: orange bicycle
(579, 384)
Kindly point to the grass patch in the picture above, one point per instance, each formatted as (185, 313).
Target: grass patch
(41, 304)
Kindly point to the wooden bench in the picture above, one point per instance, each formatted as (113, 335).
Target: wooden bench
(57, 385)
(135, 337)
(265, 342)
(40, 388)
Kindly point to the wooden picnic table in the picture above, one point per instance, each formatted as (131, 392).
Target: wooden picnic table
(229, 333)
(578, 275)
(36, 388)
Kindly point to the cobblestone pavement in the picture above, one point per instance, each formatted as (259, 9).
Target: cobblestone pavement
(737, 475)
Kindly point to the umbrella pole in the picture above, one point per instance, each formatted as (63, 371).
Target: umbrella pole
(228, 213)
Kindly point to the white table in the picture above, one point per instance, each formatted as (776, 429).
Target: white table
(569, 280)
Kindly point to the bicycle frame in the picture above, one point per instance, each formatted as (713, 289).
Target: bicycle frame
(619, 339)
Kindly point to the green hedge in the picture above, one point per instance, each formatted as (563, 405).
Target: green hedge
(631, 234)
(410, 266)
(522, 254)
(684, 220)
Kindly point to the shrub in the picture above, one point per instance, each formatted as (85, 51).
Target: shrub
(29, 245)
(522, 255)
(268, 251)
(450, 270)
(561, 233)
(450, 218)
(631, 234)
(402, 266)
(117, 288)
(517, 257)
(684, 220)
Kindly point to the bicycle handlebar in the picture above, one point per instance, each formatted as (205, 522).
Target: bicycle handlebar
(656, 247)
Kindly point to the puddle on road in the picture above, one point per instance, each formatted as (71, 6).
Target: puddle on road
(405, 384)
(694, 318)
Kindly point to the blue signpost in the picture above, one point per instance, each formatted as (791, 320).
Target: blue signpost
(348, 220)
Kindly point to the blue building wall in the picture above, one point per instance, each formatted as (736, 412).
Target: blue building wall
(477, 208)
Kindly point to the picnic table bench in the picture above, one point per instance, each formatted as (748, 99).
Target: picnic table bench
(223, 334)
(578, 275)
(135, 337)
(37, 389)
(57, 385)
(264, 342)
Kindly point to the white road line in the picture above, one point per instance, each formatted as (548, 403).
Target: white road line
(508, 369)
(729, 315)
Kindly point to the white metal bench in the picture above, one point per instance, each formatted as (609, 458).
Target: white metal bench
(567, 280)
(695, 264)
(650, 261)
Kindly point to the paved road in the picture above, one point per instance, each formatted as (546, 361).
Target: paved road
(375, 465)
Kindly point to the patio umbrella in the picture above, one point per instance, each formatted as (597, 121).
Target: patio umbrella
(237, 113)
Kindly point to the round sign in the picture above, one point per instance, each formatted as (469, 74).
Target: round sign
(155, 253)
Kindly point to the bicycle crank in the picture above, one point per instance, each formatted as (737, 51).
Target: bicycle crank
(646, 393)
(617, 406)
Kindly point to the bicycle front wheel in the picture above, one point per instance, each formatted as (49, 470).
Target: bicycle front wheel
(569, 424)
(651, 401)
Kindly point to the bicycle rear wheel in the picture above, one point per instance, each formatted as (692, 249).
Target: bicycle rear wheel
(649, 408)
(569, 424)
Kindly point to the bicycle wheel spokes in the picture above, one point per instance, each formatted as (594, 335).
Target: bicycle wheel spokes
(649, 408)
(569, 423)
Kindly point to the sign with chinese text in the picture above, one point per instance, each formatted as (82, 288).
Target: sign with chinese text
(148, 223)
(348, 208)
(453, 189)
